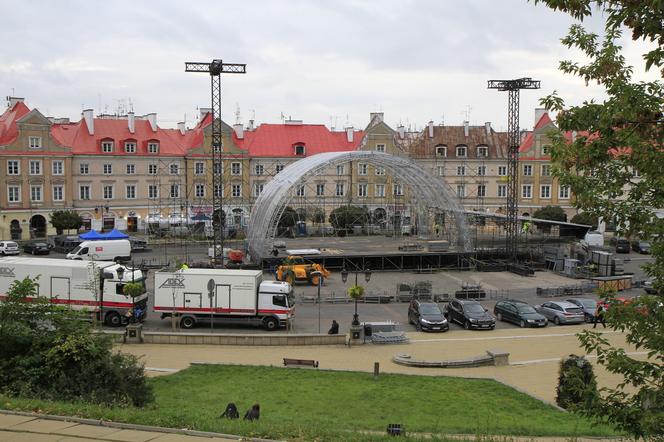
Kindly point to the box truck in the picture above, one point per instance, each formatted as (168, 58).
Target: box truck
(95, 286)
(111, 249)
(196, 295)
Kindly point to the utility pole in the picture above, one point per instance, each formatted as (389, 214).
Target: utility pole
(215, 69)
(513, 142)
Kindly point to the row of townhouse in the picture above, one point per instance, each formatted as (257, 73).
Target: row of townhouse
(127, 172)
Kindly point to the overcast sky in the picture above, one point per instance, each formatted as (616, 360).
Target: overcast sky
(330, 61)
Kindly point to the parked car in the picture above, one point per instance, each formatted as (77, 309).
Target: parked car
(8, 248)
(427, 316)
(589, 307)
(138, 245)
(561, 312)
(614, 301)
(518, 312)
(622, 245)
(648, 287)
(470, 314)
(36, 248)
(641, 247)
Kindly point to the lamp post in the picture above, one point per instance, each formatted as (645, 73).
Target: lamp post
(344, 278)
(320, 282)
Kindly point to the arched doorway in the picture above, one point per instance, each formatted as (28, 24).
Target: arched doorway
(15, 230)
(37, 226)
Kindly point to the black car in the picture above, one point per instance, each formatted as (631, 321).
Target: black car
(427, 316)
(518, 312)
(36, 248)
(641, 247)
(622, 245)
(470, 314)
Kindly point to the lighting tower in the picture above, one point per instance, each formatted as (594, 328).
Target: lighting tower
(215, 69)
(513, 142)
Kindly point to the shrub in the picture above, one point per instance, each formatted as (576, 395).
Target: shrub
(576, 383)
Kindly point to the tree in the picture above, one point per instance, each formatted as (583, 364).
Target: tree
(553, 213)
(613, 140)
(65, 220)
(577, 386)
(288, 218)
(345, 217)
(585, 218)
(317, 215)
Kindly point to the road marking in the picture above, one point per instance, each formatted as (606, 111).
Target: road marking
(551, 335)
(539, 361)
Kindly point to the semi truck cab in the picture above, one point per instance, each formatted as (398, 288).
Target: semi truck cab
(276, 303)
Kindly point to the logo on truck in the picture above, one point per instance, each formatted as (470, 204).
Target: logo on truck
(172, 283)
(7, 272)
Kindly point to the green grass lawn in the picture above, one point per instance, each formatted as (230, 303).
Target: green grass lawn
(302, 404)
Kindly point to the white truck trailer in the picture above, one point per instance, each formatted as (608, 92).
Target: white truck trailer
(95, 286)
(196, 295)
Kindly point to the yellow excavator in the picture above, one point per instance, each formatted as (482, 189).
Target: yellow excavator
(295, 268)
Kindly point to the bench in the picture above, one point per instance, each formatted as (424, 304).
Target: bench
(300, 362)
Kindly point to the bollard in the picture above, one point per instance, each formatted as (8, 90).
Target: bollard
(376, 369)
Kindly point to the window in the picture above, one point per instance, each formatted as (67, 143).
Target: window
(380, 190)
(35, 167)
(397, 190)
(280, 167)
(58, 167)
(217, 168)
(14, 194)
(258, 169)
(175, 191)
(461, 190)
(481, 190)
(502, 170)
(218, 190)
(299, 150)
(131, 169)
(58, 193)
(152, 169)
(481, 170)
(636, 174)
(153, 147)
(13, 167)
(216, 148)
(545, 150)
(34, 142)
(200, 190)
(108, 192)
(174, 169)
(108, 169)
(563, 192)
(380, 148)
(461, 170)
(441, 151)
(545, 191)
(84, 192)
(153, 191)
(236, 169)
(339, 189)
(84, 168)
(130, 147)
(300, 191)
(482, 151)
(461, 151)
(362, 169)
(320, 189)
(36, 193)
(380, 171)
(527, 170)
(527, 191)
(502, 191)
(199, 168)
(341, 169)
(546, 170)
(236, 190)
(107, 146)
(279, 300)
(258, 188)
(441, 170)
(362, 190)
(130, 191)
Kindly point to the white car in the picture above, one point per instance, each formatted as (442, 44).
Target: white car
(8, 248)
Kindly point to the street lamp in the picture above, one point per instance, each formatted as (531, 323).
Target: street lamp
(344, 278)
(319, 274)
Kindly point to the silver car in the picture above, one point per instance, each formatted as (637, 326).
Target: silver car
(8, 248)
(589, 307)
(561, 312)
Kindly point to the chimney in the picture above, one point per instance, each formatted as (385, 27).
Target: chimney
(13, 100)
(181, 127)
(574, 134)
(89, 120)
(487, 126)
(131, 121)
(152, 119)
(251, 125)
(239, 131)
(401, 129)
(466, 129)
(349, 134)
(430, 129)
(539, 112)
(204, 111)
(377, 116)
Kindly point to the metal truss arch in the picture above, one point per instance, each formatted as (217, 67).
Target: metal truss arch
(428, 193)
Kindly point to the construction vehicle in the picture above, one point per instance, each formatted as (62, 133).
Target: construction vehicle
(295, 268)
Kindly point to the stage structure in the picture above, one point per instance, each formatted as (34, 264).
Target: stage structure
(430, 200)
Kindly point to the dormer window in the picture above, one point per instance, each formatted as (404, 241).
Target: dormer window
(153, 147)
(130, 146)
(441, 151)
(482, 151)
(299, 150)
(34, 142)
(461, 151)
(107, 146)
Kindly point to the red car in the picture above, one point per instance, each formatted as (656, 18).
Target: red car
(606, 304)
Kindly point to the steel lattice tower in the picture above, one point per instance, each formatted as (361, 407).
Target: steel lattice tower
(215, 69)
(513, 142)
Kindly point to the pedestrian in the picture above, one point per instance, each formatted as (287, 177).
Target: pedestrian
(334, 329)
(599, 316)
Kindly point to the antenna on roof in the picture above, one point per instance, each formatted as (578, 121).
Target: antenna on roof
(237, 113)
(347, 120)
(442, 120)
(467, 112)
(131, 105)
(283, 118)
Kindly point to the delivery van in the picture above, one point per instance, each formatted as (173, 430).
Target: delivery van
(102, 250)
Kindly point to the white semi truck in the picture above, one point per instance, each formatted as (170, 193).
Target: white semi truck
(95, 286)
(196, 295)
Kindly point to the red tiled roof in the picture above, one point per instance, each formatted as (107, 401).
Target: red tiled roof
(8, 128)
(528, 141)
